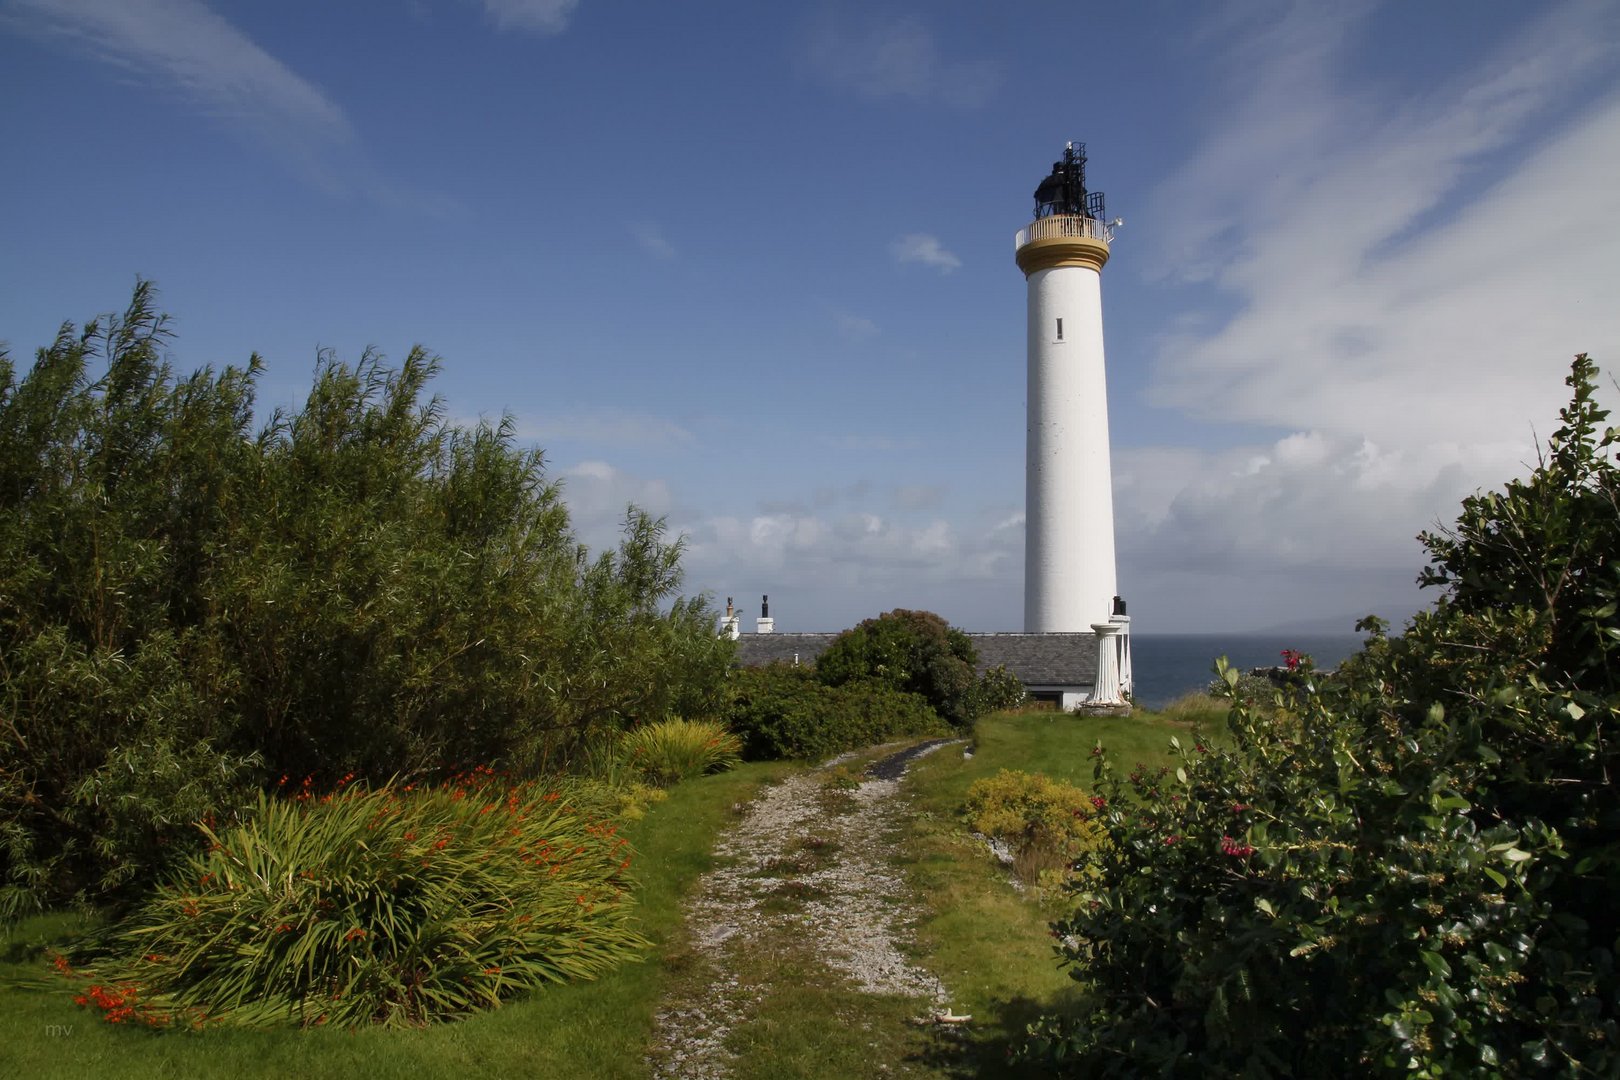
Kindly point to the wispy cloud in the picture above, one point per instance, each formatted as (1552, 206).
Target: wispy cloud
(925, 249)
(861, 444)
(535, 16)
(854, 327)
(608, 429)
(184, 46)
(1401, 276)
(1372, 268)
(895, 59)
(652, 240)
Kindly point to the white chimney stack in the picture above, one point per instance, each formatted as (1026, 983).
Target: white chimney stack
(764, 624)
(731, 625)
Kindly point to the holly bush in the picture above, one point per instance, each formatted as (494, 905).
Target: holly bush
(1408, 868)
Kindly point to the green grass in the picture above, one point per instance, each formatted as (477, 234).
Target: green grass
(594, 1029)
(989, 943)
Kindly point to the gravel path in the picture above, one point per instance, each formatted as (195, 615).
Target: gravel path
(824, 848)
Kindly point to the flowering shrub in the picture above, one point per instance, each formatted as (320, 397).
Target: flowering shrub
(669, 751)
(1408, 869)
(1047, 823)
(391, 906)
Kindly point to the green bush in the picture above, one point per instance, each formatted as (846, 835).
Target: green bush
(393, 906)
(1259, 691)
(192, 606)
(913, 652)
(1408, 869)
(998, 689)
(668, 751)
(1047, 823)
(786, 712)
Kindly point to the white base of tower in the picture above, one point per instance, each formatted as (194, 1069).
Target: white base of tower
(1069, 582)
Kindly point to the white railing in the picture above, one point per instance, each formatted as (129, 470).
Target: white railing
(1061, 225)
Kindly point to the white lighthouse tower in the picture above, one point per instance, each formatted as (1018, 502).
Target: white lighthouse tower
(1069, 584)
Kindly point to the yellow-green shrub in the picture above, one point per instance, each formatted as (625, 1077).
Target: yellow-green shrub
(669, 751)
(1047, 823)
(393, 906)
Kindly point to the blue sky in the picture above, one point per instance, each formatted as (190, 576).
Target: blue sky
(750, 265)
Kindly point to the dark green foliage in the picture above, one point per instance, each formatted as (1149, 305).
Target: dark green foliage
(391, 906)
(786, 712)
(1409, 868)
(189, 607)
(915, 652)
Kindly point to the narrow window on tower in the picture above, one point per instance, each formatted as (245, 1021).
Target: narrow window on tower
(1060, 329)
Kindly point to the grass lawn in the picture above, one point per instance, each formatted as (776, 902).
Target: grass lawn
(594, 1029)
(989, 943)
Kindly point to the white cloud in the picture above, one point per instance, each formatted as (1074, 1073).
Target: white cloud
(537, 16)
(1373, 281)
(598, 496)
(185, 46)
(1405, 277)
(898, 58)
(925, 249)
(1310, 524)
(652, 240)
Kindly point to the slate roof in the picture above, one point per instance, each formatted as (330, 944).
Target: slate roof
(757, 650)
(1039, 660)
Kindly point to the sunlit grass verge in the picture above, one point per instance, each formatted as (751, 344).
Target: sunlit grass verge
(991, 944)
(1196, 707)
(669, 751)
(391, 906)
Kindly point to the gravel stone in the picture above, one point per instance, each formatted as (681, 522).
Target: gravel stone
(853, 916)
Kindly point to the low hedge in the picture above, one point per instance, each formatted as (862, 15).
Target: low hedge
(784, 712)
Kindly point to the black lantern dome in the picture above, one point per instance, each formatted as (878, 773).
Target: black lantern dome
(1064, 192)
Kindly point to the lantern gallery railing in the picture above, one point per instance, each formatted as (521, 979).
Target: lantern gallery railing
(1060, 225)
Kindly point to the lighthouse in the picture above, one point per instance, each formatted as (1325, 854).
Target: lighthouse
(1069, 584)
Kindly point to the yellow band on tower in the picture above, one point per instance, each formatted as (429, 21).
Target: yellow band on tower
(1052, 252)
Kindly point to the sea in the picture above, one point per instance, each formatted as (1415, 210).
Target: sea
(1166, 666)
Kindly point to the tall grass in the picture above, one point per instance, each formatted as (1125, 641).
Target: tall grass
(669, 751)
